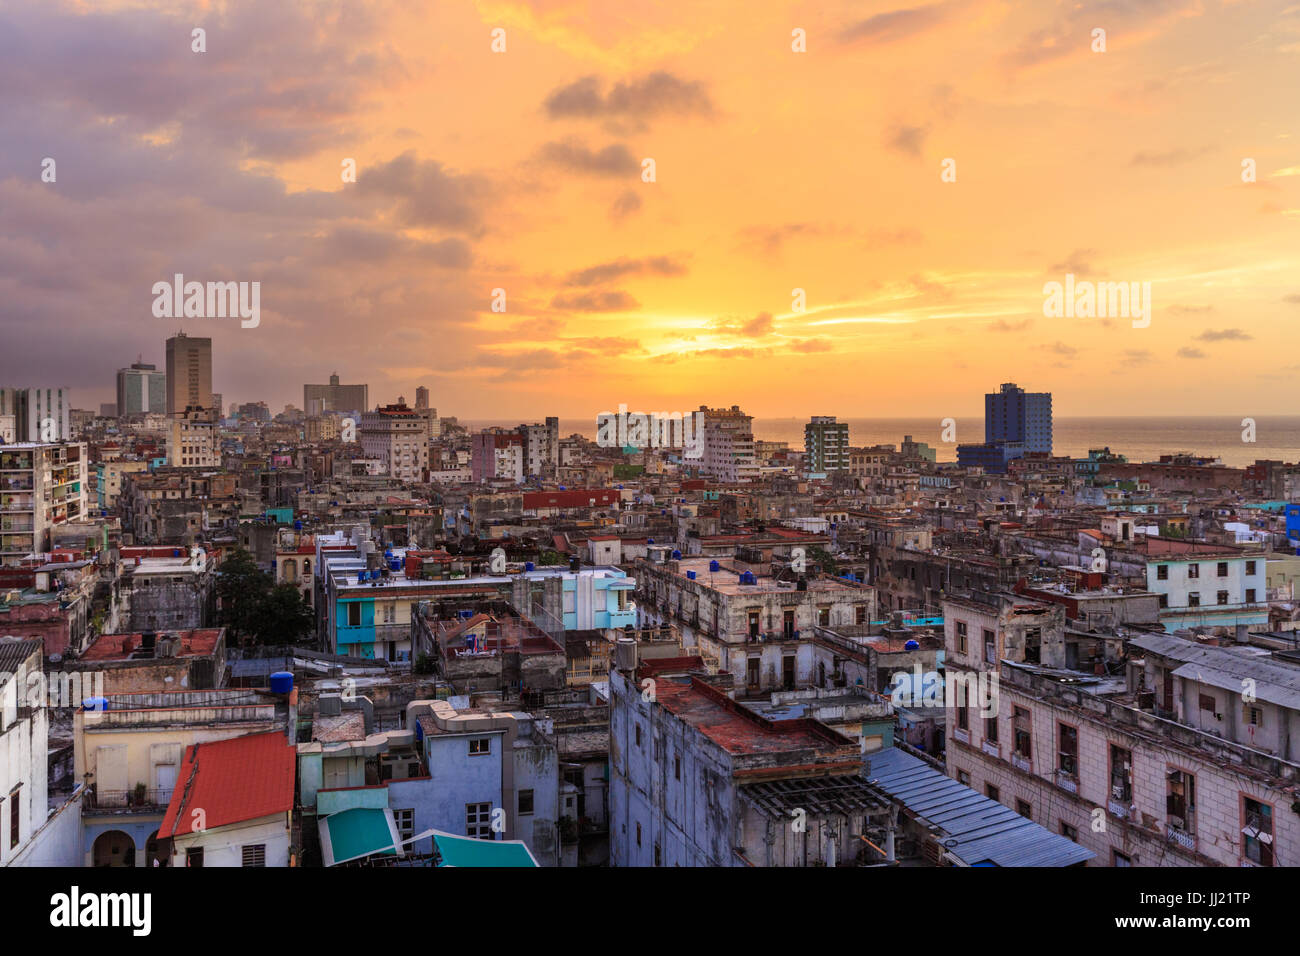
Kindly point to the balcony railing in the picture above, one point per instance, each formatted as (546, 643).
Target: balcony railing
(131, 801)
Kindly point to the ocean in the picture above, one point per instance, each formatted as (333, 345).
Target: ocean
(1138, 438)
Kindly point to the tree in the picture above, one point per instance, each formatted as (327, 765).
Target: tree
(241, 587)
(257, 610)
(284, 617)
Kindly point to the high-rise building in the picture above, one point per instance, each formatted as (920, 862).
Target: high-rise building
(399, 437)
(825, 445)
(39, 414)
(421, 397)
(1014, 415)
(541, 447)
(44, 485)
(728, 453)
(189, 373)
(141, 388)
(319, 399)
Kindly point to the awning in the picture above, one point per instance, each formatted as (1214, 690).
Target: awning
(468, 851)
(357, 833)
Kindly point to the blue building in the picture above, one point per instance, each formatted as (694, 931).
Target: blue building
(1016, 416)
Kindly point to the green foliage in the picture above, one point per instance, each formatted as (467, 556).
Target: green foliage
(550, 557)
(821, 558)
(256, 610)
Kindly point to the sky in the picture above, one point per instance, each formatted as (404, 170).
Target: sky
(920, 173)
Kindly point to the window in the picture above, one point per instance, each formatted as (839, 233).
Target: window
(15, 815)
(1250, 567)
(963, 778)
(255, 854)
(1162, 572)
(1069, 832)
(638, 735)
(479, 746)
(1067, 750)
(478, 820)
(991, 729)
(860, 614)
(1253, 716)
(677, 767)
(1207, 703)
(1164, 600)
(1021, 733)
(1024, 809)
(659, 860)
(1193, 570)
(1193, 598)
(194, 856)
(525, 802)
(1180, 801)
(1121, 778)
(405, 820)
(990, 647)
(753, 625)
(1120, 859)
(1250, 595)
(991, 792)
(963, 716)
(1258, 831)
(354, 614)
(638, 834)
(1221, 597)
(824, 616)
(1033, 645)
(1223, 569)
(961, 637)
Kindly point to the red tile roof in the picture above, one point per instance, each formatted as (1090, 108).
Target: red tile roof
(230, 781)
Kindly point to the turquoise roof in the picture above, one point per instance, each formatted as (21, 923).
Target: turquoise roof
(468, 851)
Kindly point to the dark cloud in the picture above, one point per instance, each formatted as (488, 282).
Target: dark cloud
(1190, 353)
(619, 268)
(424, 193)
(627, 203)
(1224, 335)
(1078, 262)
(575, 157)
(595, 301)
(657, 94)
(906, 139)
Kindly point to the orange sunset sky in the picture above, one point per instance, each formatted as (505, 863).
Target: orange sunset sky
(775, 170)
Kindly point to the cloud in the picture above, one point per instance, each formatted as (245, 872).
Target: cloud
(1002, 325)
(424, 193)
(811, 345)
(595, 301)
(1060, 348)
(575, 157)
(906, 139)
(894, 25)
(1172, 157)
(1293, 298)
(1078, 262)
(1224, 335)
(760, 325)
(657, 94)
(1190, 353)
(1135, 357)
(663, 266)
(625, 204)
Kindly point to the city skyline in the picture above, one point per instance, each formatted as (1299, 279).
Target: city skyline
(522, 171)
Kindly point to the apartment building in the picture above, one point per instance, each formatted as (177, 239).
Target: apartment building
(141, 388)
(192, 441)
(1147, 752)
(498, 454)
(397, 436)
(746, 621)
(334, 397)
(24, 729)
(826, 445)
(728, 445)
(189, 375)
(39, 414)
(41, 486)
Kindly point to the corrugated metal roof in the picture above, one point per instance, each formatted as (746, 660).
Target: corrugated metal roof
(1224, 667)
(14, 652)
(973, 828)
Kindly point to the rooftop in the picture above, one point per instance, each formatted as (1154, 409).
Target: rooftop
(243, 778)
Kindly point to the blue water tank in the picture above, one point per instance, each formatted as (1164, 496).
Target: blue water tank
(95, 703)
(529, 566)
(562, 488)
(649, 540)
(691, 575)
(911, 646)
(361, 577)
(677, 555)
(747, 577)
(281, 682)
(297, 526)
(395, 564)
(714, 566)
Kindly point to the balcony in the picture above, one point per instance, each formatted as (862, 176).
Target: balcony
(1181, 837)
(1021, 762)
(1067, 782)
(130, 801)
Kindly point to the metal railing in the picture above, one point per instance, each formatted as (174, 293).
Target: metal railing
(138, 800)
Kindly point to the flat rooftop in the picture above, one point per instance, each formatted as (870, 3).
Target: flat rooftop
(128, 647)
(726, 580)
(736, 729)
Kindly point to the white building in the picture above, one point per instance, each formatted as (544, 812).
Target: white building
(23, 732)
(728, 453)
(399, 437)
(41, 485)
